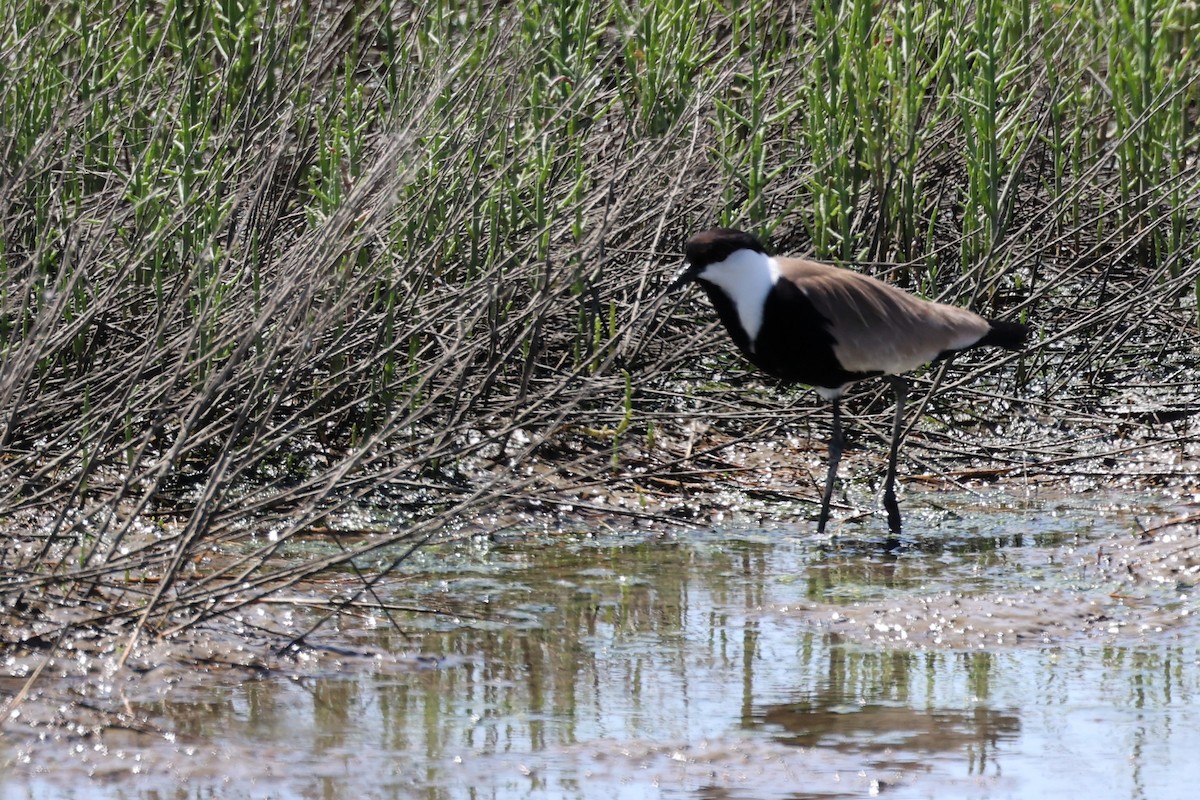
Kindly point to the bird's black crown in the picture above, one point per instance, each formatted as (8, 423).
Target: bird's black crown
(717, 244)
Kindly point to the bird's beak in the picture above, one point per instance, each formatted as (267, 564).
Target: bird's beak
(685, 276)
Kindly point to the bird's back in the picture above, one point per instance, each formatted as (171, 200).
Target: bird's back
(875, 327)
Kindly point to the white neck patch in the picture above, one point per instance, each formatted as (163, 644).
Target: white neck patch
(746, 277)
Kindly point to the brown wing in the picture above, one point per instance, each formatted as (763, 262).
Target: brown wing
(877, 327)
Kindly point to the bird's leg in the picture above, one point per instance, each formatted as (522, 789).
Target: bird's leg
(900, 387)
(835, 455)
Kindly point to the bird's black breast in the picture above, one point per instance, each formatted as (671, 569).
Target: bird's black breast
(794, 343)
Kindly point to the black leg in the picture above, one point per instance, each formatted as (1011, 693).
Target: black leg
(889, 491)
(835, 455)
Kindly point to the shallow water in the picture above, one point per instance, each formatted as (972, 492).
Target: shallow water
(1004, 651)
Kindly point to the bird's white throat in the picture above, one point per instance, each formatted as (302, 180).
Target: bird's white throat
(746, 277)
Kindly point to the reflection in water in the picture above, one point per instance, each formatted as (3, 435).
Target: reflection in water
(886, 730)
(706, 666)
(866, 707)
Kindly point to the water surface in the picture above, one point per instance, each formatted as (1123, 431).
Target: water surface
(1007, 651)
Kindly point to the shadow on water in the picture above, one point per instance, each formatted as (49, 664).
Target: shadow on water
(990, 656)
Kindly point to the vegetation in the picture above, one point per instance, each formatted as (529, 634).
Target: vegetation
(275, 268)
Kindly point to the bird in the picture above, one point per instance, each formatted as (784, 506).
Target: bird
(807, 322)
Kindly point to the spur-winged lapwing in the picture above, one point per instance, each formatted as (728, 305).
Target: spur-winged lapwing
(806, 322)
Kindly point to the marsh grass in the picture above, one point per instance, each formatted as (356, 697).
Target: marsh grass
(271, 268)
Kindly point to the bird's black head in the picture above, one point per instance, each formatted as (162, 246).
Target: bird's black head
(712, 247)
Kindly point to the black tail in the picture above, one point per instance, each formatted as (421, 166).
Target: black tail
(1009, 335)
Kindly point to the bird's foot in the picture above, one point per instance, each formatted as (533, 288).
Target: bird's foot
(893, 512)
